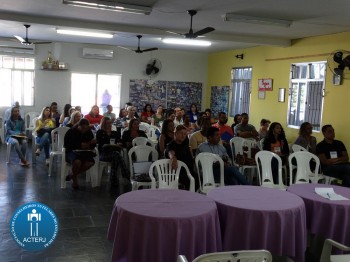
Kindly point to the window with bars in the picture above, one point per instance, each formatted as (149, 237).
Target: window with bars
(16, 80)
(307, 85)
(241, 79)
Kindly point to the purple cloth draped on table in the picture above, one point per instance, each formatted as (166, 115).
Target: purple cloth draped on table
(261, 218)
(326, 218)
(158, 225)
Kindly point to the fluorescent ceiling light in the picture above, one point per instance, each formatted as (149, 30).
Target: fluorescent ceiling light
(183, 41)
(110, 5)
(83, 33)
(256, 20)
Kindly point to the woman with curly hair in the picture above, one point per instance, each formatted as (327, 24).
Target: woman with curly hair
(305, 138)
(147, 113)
(277, 143)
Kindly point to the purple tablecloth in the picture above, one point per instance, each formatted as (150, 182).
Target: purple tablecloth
(261, 218)
(158, 225)
(326, 218)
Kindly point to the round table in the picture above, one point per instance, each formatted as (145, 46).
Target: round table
(326, 218)
(261, 218)
(160, 224)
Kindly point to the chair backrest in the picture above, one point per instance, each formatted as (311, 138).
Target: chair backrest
(57, 138)
(304, 172)
(235, 256)
(142, 141)
(28, 118)
(263, 160)
(249, 143)
(204, 165)
(142, 154)
(144, 127)
(236, 144)
(152, 132)
(168, 177)
(297, 148)
(34, 125)
(327, 256)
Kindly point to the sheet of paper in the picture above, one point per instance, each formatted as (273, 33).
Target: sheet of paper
(328, 192)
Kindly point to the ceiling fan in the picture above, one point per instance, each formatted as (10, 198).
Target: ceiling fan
(190, 33)
(26, 41)
(138, 50)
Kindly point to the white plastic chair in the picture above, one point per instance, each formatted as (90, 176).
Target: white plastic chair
(168, 177)
(204, 164)
(297, 148)
(142, 141)
(144, 127)
(91, 174)
(8, 152)
(237, 144)
(34, 144)
(142, 155)
(263, 160)
(28, 118)
(304, 174)
(57, 138)
(152, 133)
(233, 256)
(327, 256)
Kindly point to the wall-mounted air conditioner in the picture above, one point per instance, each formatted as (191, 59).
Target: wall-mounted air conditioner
(95, 53)
(16, 48)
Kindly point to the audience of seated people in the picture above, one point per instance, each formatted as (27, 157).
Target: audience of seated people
(332, 153)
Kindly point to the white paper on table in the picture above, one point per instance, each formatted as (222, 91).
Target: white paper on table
(328, 192)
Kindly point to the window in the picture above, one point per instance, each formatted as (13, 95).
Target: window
(241, 79)
(16, 80)
(96, 89)
(306, 94)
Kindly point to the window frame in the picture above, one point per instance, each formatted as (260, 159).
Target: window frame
(233, 94)
(298, 78)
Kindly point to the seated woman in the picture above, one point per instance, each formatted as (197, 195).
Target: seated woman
(43, 127)
(94, 116)
(65, 113)
(158, 118)
(264, 126)
(80, 137)
(209, 114)
(15, 126)
(147, 113)
(305, 138)
(179, 149)
(193, 113)
(189, 126)
(66, 119)
(107, 140)
(74, 119)
(131, 133)
(276, 142)
(166, 136)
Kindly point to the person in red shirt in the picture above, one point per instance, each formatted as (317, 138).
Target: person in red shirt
(225, 131)
(147, 113)
(94, 116)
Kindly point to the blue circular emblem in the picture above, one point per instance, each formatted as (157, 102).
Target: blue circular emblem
(34, 226)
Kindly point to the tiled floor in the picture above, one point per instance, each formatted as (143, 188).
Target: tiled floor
(83, 215)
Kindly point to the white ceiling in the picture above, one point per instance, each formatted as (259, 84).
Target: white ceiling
(310, 18)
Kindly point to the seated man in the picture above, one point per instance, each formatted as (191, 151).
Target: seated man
(246, 130)
(226, 133)
(200, 136)
(231, 173)
(333, 156)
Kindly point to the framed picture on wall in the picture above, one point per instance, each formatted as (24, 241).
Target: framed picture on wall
(265, 84)
(261, 95)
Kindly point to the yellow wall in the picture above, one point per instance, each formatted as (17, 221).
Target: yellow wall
(336, 102)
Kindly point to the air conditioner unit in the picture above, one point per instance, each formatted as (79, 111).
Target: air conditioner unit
(16, 48)
(93, 53)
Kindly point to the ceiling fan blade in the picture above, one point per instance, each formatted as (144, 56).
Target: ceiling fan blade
(174, 33)
(203, 31)
(126, 48)
(150, 49)
(41, 43)
(19, 38)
